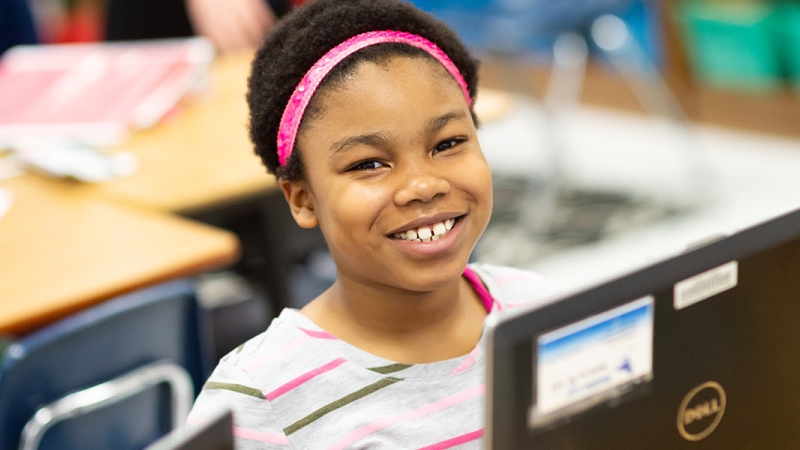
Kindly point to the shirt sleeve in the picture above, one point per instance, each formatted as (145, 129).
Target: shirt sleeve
(255, 424)
(514, 288)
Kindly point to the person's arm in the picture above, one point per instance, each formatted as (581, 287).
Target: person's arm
(231, 25)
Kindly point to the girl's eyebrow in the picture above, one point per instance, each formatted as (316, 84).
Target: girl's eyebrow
(381, 139)
(378, 139)
(437, 123)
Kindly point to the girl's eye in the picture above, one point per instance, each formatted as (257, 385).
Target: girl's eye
(367, 165)
(447, 144)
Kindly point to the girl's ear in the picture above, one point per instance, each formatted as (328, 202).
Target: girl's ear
(301, 202)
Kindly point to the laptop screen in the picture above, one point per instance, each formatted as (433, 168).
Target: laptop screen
(699, 351)
(216, 433)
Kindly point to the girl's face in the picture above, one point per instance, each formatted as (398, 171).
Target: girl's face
(395, 176)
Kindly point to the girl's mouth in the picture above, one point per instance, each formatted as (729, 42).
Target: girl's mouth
(428, 233)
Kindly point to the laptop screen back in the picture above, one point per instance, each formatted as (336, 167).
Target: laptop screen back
(215, 433)
(700, 351)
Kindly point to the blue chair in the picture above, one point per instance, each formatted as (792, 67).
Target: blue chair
(118, 375)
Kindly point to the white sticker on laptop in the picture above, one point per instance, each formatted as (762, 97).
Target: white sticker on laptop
(705, 285)
(592, 360)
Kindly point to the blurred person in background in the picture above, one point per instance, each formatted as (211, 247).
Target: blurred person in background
(16, 24)
(231, 25)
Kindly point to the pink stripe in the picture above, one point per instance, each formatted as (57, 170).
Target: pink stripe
(500, 307)
(464, 438)
(317, 334)
(509, 278)
(467, 363)
(196, 420)
(540, 301)
(260, 436)
(286, 349)
(305, 377)
(480, 289)
(517, 305)
(245, 433)
(410, 415)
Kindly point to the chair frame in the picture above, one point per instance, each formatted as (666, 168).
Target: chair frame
(110, 392)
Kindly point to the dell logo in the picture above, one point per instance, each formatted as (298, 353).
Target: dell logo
(701, 411)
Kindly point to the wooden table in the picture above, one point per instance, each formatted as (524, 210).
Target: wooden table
(62, 250)
(200, 157)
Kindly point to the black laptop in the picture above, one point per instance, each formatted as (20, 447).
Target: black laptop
(215, 433)
(699, 351)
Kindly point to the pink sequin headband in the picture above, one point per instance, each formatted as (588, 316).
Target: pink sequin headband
(301, 97)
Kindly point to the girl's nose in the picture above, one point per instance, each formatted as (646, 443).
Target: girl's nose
(422, 186)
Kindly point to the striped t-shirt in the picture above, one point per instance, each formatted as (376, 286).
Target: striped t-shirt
(296, 386)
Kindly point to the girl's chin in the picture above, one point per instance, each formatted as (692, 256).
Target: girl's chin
(429, 280)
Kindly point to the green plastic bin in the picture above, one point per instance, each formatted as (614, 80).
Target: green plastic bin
(731, 44)
(788, 37)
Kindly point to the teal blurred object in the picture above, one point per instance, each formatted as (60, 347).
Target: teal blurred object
(732, 45)
(788, 34)
(118, 375)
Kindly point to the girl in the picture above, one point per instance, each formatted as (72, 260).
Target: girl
(363, 110)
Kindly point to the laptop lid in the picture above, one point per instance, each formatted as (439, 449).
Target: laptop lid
(216, 433)
(699, 351)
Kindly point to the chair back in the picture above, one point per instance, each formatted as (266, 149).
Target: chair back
(118, 375)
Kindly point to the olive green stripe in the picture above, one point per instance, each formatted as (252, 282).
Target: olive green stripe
(350, 398)
(391, 368)
(241, 389)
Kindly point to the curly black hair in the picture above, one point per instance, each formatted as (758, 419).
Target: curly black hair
(305, 35)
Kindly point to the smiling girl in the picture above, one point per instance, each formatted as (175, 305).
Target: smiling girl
(363, 110)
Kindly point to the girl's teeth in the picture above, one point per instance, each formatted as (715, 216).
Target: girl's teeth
(428, 233)
(424, 233)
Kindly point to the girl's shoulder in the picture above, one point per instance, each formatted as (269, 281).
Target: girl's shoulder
(511, 287)
(283, 339)
(291, 348)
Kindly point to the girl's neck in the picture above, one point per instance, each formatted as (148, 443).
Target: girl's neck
(403, 326)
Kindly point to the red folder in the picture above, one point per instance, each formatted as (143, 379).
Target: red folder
(95, 93)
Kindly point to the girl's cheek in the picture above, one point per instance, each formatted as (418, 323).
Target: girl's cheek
(369, 194)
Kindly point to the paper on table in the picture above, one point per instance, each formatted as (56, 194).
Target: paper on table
(6, 200)
(10, 166)
(69, 159)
